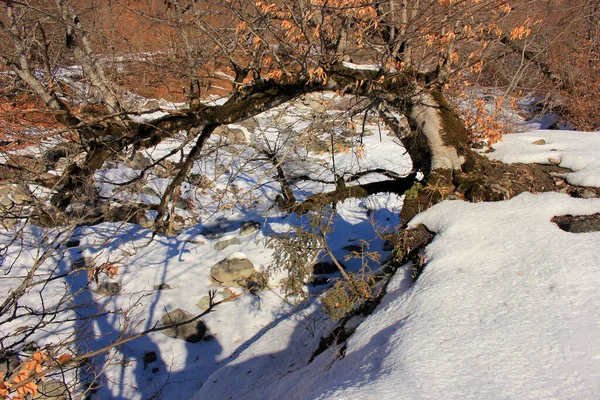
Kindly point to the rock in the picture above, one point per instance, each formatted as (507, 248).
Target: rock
(554, 161)
(539, 142)
(9, 223)
(504, 192)
(9, 362)
(72, 243)
(52, 390)
(227, 294)
(139, 161)
(221, 169)
(578, 223)
(586, 194)
(84, 262)
(17, 194)
(233, 135)
(388, 246)
(198, 180)
(204, 303)
(77, 208)
(149, 191)
(21, 199)
(325, 268)
(222, 244)
(251, 124)
(177, 223)
(152, 104)
(315, 104)
(191, 332)
(249, 227)
(109, 288)
(110, 165)
(162, 286)
(6, 202)
(63, 150)
(181, 203)
(145, 222)
(30, 348)
(316, 145)
(149, 358)
(232, 271)
(353, 248)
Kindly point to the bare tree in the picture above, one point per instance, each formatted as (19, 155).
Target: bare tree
(401, 56)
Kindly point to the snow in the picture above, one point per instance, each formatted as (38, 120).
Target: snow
(364, 67)
(507, 307)
(577, 151)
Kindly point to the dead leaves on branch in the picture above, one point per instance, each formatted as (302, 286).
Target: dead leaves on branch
(24, 383)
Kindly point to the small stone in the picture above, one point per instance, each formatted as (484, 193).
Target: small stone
(249, 227)
(149, 358)
(84, 262)
(324, 268)
(139, 161)
(586, 194)
(52, 390)
(178, 223)
(6, 202)
(227, 294)
(578, 223)
(109, 288)
(191, 332)
(554, 161)
(181, 203)
(30, 348)
(204, 303)
(146, 222)
(9, 362)
(152, 104)
(110, 165)
(232, 271)
(222, 244)
(233, 135)
(388, 246)
(539, 142)
(353, 248)
(162, 286)
(20, 199)
(72, 243)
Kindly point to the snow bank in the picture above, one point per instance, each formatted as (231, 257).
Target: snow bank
(507, 307)
(577, 151)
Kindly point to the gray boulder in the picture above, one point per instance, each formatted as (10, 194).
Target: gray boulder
(233, 135)
(162, 286)
(52, 390)
(191, 332)
(578, 223)
(232, 271)
(109, 288)
(249, 227)
(204, 303)
(139, 161)
(222, 244)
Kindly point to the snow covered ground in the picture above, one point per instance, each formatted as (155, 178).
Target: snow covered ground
(507, 306)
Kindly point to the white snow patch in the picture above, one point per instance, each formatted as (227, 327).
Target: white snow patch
(363, 67)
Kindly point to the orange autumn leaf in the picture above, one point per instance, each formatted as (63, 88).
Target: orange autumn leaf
(64, 358)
